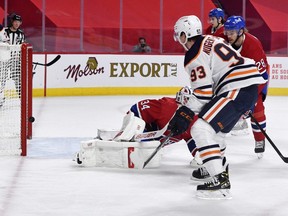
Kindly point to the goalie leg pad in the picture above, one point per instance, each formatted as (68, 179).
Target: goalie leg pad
(113, 154)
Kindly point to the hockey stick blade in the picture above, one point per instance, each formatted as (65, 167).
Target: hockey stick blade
(285, 159)
(157, 150)
(49, 63)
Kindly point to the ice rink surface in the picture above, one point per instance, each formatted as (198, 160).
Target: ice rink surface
(48, 183)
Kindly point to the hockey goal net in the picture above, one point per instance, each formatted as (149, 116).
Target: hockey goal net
(15, 98)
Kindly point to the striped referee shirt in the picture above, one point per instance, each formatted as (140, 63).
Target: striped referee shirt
(15, 37)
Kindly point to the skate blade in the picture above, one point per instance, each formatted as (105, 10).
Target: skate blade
(214, 195)
(197, 179)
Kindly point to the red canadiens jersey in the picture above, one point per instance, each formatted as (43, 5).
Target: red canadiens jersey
(160, 112)
(252, 48)
(218, 33)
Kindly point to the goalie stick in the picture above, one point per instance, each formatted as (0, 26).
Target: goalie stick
(49, 63)
(285, 159)
(150, 134)
(157, 150)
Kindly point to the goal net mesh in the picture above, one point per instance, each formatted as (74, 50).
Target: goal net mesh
(13, 99)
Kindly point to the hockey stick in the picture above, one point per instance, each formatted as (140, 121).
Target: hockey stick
(285, 159)
(157, 150)
(150, 135)
(49, 63)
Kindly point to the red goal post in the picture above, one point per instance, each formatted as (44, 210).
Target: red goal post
(15, 98)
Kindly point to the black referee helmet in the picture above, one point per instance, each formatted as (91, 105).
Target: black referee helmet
(16, 17)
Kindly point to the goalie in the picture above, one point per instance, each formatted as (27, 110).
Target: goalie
(146, 115)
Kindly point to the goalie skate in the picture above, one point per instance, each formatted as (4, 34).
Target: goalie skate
(241, 128)
(216, 189)
(77, 158)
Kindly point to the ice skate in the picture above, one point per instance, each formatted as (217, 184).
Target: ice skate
(241, 128)
(77, 158)
(201, 174)
(217, 188)
(259, 148)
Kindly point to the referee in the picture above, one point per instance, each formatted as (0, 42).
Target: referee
(16, 37)
(15, 34)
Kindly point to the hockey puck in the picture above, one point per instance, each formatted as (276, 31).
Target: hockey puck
(31, 119)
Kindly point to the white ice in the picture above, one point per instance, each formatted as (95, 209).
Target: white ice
(48, 183)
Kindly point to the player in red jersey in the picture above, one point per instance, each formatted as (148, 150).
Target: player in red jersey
(158, 112)
(249, 46)
(216, 20)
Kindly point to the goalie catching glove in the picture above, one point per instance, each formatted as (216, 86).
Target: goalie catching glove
(181, 120)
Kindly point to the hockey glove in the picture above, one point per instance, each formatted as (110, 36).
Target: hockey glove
(181, 120)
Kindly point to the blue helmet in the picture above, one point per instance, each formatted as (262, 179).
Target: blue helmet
(217, 12)
(234, 23)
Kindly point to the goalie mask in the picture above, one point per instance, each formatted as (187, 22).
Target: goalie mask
(183, 95)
